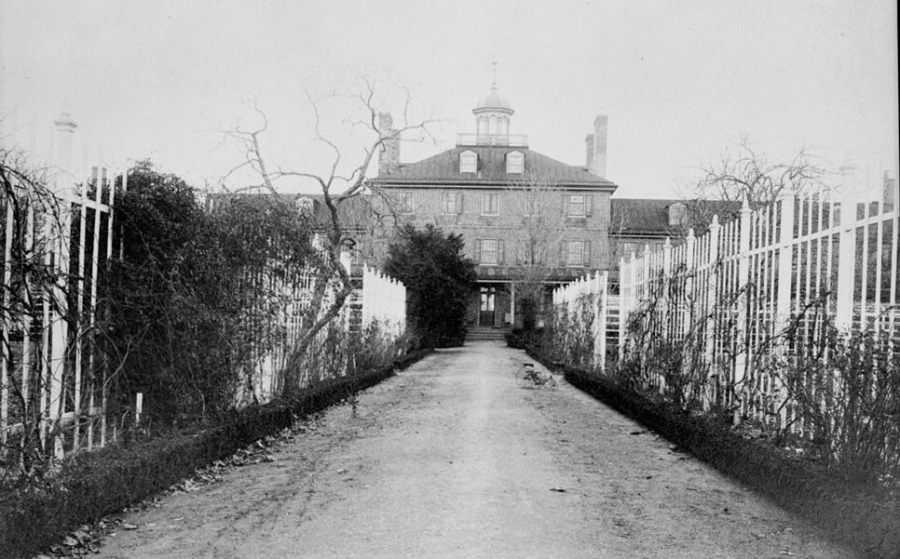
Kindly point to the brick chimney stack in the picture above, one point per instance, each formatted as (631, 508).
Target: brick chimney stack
(597, 160)
(889, 197)
(389, 157)
(589, 147)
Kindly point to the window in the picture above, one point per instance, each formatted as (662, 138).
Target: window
(490, 204)
(468, 162)
(576, 206)
(451, 202)
(515, 163)
(576, 253)
(403, 202)
(489, 252)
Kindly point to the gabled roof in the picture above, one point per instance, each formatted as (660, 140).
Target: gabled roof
(443, 170)
(650, 217)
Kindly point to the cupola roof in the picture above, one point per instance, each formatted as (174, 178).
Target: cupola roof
(493, 102)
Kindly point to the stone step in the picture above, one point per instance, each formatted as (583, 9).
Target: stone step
(484, 333)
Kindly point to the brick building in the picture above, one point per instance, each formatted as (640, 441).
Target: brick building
(527, 219)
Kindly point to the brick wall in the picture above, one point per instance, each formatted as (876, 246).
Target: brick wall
(511, 224)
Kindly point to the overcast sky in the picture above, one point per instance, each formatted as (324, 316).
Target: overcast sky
(682, 82)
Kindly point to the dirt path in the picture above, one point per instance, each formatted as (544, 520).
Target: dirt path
(452, 459)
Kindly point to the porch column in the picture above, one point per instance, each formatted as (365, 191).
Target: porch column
(512, 303)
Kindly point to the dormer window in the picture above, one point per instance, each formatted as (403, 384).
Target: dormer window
(468, 162)
(515, 163)
(677, 213)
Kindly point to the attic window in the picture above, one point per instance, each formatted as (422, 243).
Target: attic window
(677, 213)
(515, 163)
(468, 162)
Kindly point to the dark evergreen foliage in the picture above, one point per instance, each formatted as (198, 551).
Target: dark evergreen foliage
(439, 279)
(190, 300)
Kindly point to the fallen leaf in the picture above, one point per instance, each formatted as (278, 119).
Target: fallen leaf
(129, 526)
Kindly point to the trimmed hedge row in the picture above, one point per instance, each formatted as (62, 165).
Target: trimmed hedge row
(853, 513)
(94, 484)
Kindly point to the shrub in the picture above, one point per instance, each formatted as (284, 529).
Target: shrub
(439, 280)
(193, 301)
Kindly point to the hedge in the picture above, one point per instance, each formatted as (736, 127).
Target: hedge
(861, 515)
(94, 484)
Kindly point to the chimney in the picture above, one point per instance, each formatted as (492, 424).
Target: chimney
(889, 196)
(65, 132)
(598, 161)
(389, 157)
(589, 145)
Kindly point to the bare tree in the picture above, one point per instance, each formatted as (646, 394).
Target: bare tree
(337, 186)
(747, 174)
(537, 198)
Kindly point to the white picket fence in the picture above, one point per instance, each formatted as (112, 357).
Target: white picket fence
(738, 287)
(380, 298)
(383, 300)
(587, 301)
(52, 378)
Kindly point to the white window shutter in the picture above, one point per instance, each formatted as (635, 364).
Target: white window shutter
(587, 254)
(501, 252)
(588, 204)
(477, 251)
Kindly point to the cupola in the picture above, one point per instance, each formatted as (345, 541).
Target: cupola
(492, 115)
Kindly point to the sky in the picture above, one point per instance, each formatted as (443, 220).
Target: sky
(683, 83)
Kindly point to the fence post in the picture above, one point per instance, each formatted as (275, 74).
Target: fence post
(843, 313)
(604, 316)
(5, 354)
(664, 301)
(784, 277)
(785, 261)
(711, 289)
(742, 334)
(690, 292)
(138, 408)
(622, 308)
(59, 245)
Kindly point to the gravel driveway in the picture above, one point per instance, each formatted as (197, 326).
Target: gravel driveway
(452, 458)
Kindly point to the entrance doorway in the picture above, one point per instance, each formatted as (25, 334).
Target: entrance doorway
(486, 309)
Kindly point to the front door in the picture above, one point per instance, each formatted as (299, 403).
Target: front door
(486, 312)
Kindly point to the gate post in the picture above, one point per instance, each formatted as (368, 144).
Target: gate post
(59, 245)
